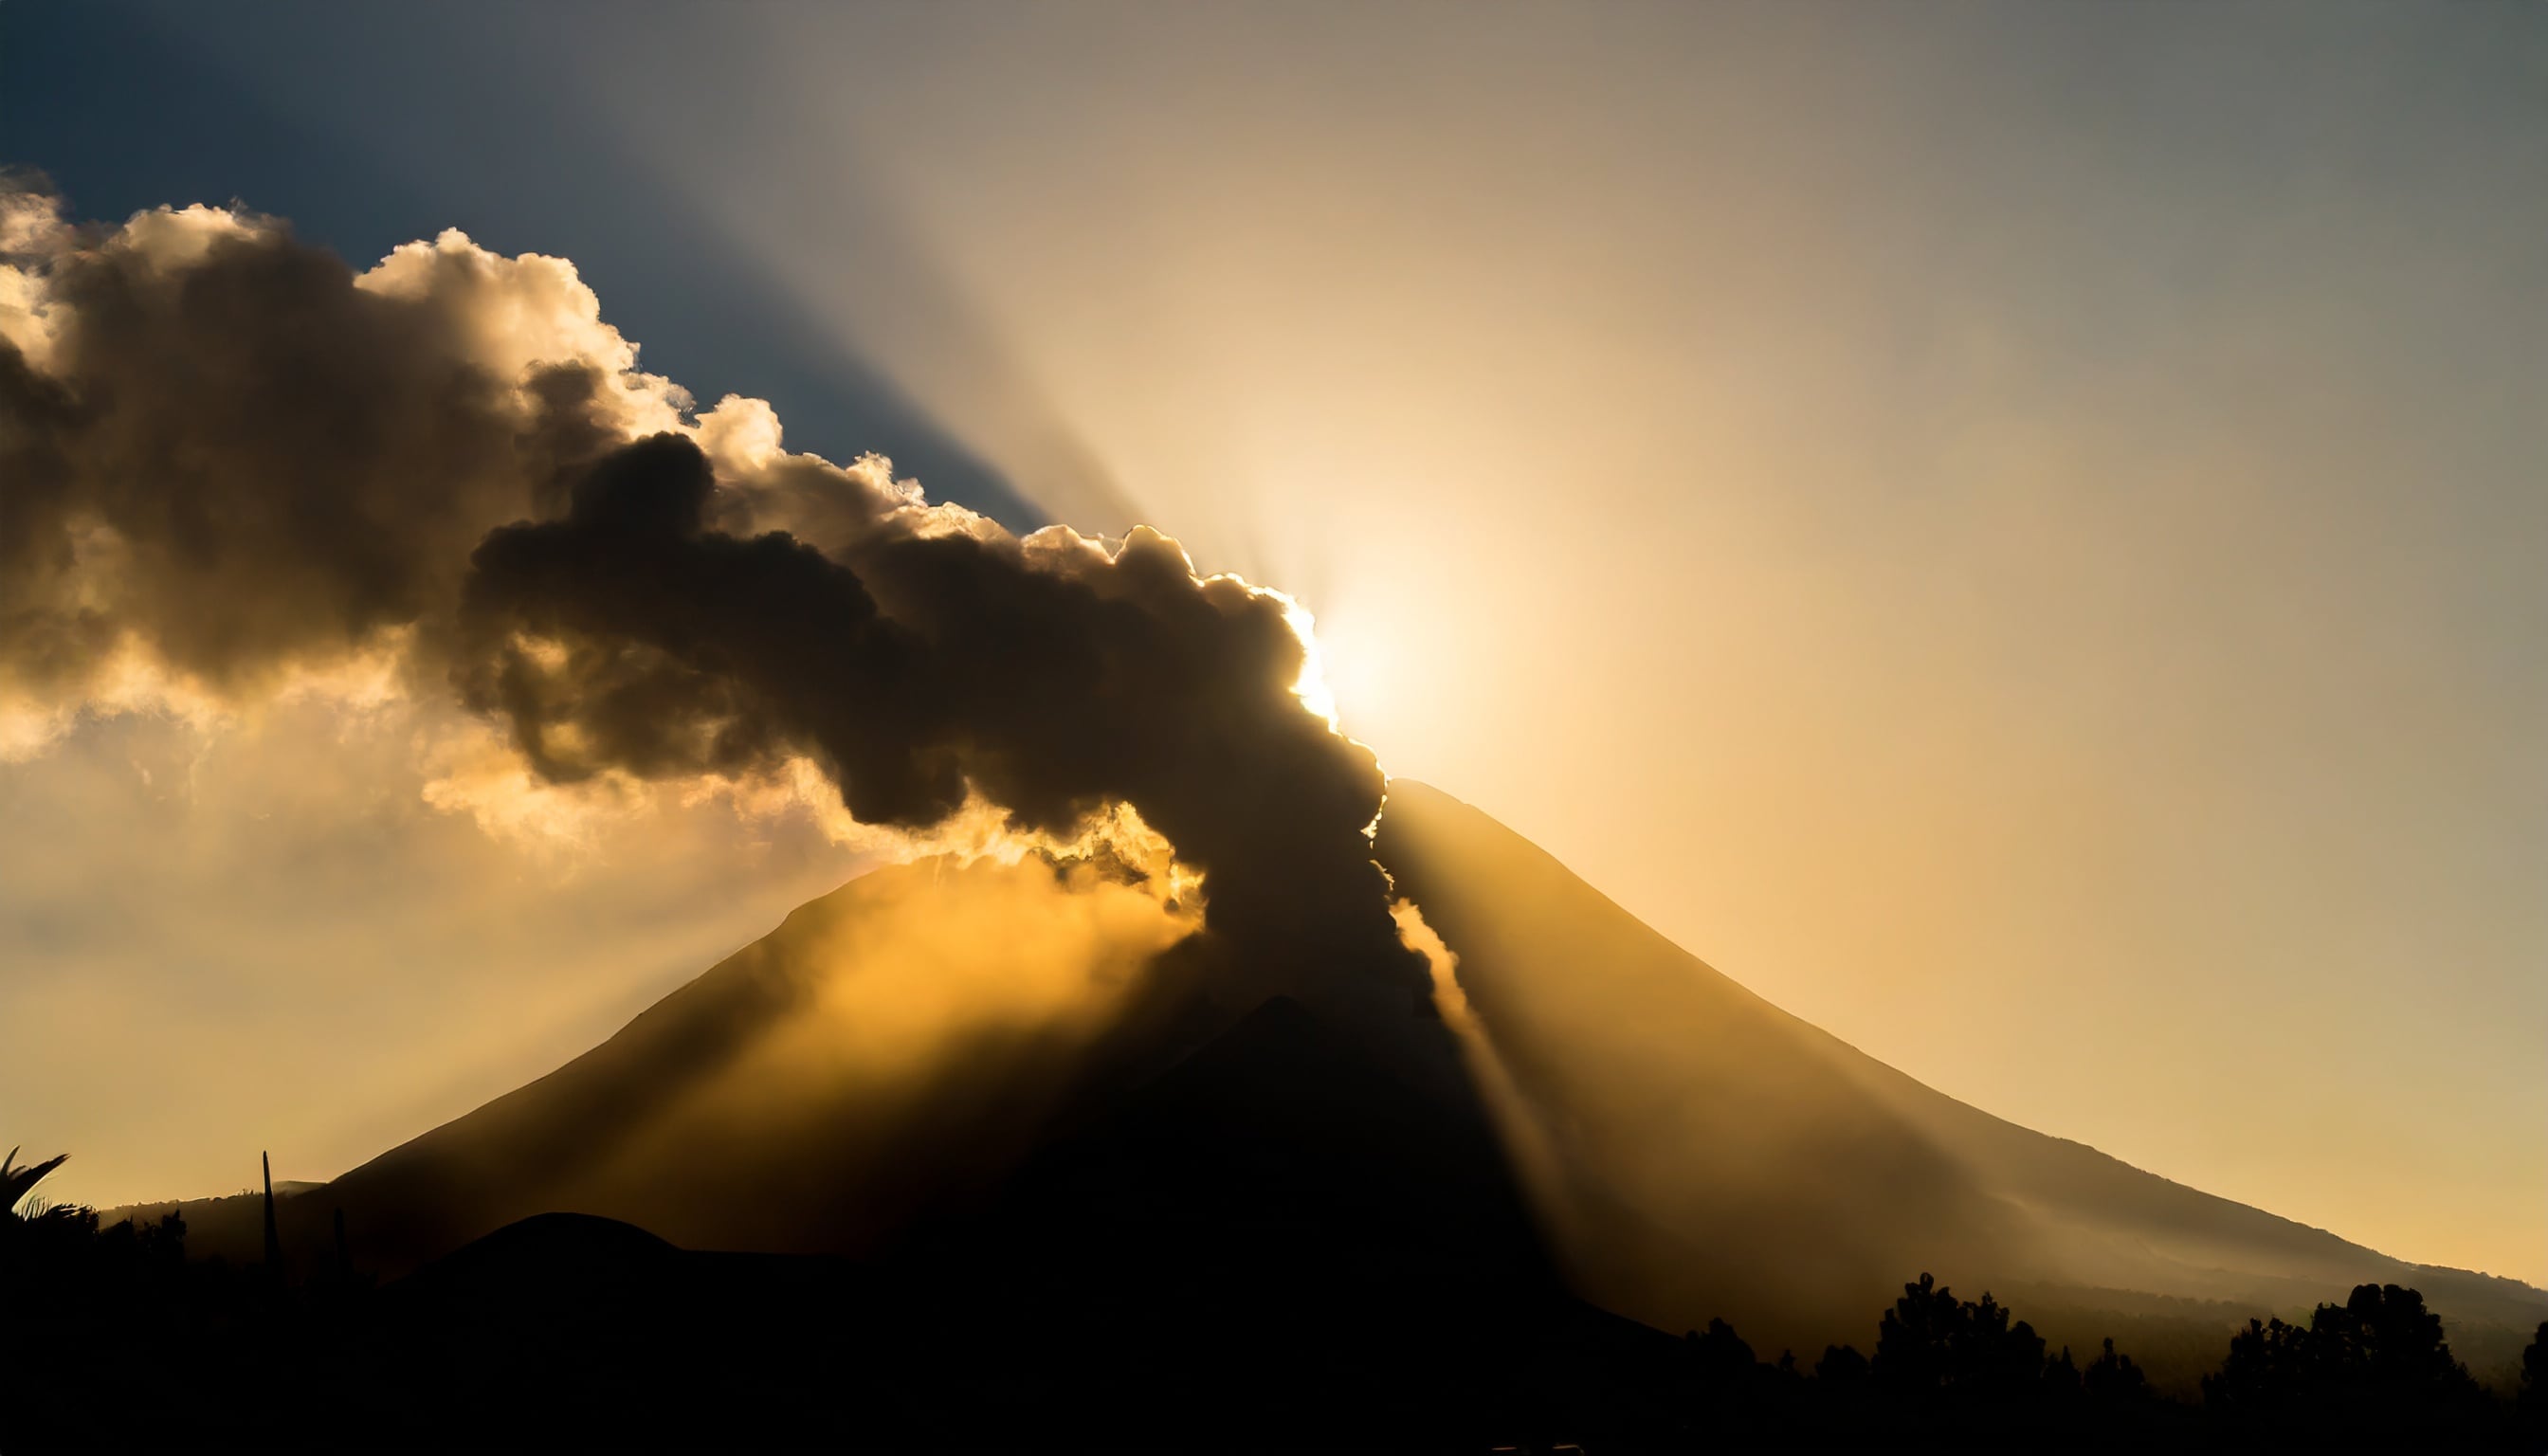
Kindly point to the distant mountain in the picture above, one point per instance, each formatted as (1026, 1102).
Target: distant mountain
(1156, 1161)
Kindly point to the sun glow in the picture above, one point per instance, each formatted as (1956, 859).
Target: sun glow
(1311, 687)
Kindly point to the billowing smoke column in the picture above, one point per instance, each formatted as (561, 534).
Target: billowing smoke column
(226, 457)
(1047, 673)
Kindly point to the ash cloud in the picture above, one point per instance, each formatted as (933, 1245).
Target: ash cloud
(230, 458)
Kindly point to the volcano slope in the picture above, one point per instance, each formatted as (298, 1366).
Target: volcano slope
(1085, 1192)
(1714, 1156)
(1047, 1114)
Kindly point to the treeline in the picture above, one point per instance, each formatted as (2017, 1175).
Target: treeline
(2373, 1372)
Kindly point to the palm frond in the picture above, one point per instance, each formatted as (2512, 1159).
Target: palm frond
(17, 1182)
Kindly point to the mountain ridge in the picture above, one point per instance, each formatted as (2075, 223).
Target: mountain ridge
(1737, 1160)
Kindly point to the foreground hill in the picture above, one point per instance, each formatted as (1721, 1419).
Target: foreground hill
(989, 1073)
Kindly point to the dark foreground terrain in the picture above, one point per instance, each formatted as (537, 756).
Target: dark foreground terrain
(571, 1333)
(1270, 1245)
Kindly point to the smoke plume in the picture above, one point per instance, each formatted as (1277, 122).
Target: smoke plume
(231, 462)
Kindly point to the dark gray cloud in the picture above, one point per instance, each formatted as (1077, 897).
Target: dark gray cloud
(1049, 675)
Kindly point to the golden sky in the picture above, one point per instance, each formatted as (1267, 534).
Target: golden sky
(2013, 532)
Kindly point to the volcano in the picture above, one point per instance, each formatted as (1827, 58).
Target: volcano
(1190, 1206)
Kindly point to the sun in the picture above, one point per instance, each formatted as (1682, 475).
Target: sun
(1310, 684)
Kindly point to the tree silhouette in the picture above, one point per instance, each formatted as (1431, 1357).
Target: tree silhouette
(2267, 1367)
(2378, 1362)
(2533, 1398)
(1719, 1353)
(2061, 1377)
(1931, 1344)
(1841, 1366)
(2113, 1382)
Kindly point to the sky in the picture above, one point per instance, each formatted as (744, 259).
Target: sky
(2010, 530)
